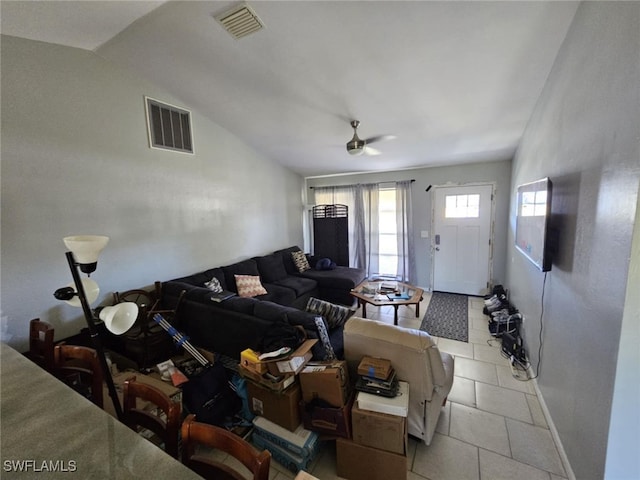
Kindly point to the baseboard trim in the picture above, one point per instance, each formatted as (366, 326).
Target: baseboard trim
(552, 427)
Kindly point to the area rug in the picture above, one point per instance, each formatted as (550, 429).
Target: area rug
(447, 316)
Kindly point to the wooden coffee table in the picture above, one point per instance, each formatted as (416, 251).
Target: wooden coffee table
(369, 292)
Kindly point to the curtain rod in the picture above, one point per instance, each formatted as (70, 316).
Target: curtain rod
(355, 184)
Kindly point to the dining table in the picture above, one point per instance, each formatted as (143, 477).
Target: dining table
(48, 430)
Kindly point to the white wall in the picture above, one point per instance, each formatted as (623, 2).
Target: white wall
(584, 136)
(75, 160)
(497, 173)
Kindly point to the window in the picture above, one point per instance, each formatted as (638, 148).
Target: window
(387, 233)
(462, 206)
(169, 127)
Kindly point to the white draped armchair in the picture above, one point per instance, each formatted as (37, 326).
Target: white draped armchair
(416, 359)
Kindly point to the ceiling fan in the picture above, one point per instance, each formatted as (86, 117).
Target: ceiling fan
(358, 146)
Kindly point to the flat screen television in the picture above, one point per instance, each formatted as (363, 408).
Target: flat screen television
(532, 222)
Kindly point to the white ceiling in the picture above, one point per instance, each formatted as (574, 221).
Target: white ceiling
(455, 81)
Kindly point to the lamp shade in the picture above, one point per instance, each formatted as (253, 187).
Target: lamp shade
(91, 290)
(85, 249)
(119, 318)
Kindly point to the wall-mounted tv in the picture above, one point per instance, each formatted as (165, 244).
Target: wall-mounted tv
(532, 222)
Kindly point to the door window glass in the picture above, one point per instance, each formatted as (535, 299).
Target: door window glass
(462, 206)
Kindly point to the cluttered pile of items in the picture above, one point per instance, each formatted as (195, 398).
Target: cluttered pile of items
(504, 323)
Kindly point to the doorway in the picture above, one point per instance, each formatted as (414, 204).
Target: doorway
(462, 238)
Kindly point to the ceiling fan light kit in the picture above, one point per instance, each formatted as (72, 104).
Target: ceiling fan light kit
(357, 146)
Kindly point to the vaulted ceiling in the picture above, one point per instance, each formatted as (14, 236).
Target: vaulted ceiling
(454, 81)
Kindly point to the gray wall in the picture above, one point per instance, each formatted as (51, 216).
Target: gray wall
(584, 136)
(75, 160)
(497, 173)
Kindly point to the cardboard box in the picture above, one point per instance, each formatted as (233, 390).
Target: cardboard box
(334, 421)
(359, 462)
(398, 405)
(328, 381)
(379, 430)
(375, 367)
(301, 441)
(294, 362)
(249, 360)
(286, 458)
(281, 408)
(279, 384)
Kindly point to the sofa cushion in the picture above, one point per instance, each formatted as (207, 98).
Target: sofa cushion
(278, 294)
(289, 266)
(300, 261)
(240, 304)
(300, 285)
(249, 285)
(246, 267)
(270, 311)
(200, 294)
(271, 268)
(343, 278)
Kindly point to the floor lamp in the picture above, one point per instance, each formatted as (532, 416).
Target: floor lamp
(83, 255)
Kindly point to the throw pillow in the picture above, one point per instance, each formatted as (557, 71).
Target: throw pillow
(335, 315)
(300, 260)
(324, 339)
(214, 285)
(249, 286)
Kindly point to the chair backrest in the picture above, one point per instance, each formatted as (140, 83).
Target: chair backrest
(79, 367)
(152, 418)
(41, 343)
(197, 433)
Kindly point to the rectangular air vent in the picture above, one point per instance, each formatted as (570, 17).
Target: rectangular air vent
(169, 126)
(240, 21)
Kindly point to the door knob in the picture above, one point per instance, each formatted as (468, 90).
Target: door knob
(437, 249)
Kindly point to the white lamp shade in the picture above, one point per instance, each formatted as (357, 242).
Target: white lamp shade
(86, 248)
(91, 290)
(119, 318)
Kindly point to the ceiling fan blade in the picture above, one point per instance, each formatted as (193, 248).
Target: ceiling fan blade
(379, 138)
(371, 151)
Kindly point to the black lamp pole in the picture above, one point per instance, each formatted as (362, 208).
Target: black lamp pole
(95, 337)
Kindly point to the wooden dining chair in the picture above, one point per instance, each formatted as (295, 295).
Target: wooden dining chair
(163, 418)
(197, 434)
(79, 367)
(41, 343)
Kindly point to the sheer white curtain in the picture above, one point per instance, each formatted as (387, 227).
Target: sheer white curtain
(364, 225)
(368, 228)
(406, 271)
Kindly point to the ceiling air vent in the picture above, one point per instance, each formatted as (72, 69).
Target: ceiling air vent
(240, 21)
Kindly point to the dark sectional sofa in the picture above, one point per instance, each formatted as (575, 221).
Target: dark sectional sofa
(230, 326)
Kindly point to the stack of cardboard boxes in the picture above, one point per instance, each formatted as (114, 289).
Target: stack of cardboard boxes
(327, 398)
(378, 448)
(274, 395)
(272, 385)
(299, 402)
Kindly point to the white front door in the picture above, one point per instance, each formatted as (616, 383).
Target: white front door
(461, 240)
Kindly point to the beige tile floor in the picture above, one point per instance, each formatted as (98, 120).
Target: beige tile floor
(491, 428)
